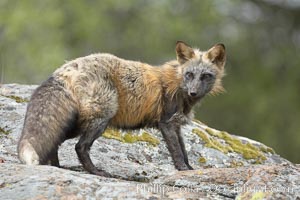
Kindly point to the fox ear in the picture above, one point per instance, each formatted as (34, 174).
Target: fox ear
(217, 55)
(184, 52)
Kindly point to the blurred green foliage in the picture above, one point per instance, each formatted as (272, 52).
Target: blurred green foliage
(262, 39)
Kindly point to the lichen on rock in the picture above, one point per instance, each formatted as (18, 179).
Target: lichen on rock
(254, 196)
(130, 137)
(224, 142)
(202, 159)
(16, 98)
(3, 131)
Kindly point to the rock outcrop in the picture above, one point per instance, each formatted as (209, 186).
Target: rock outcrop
(226, 166)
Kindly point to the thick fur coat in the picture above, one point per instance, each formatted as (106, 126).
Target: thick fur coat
(86, 95)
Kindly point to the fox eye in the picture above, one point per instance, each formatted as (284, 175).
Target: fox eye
(189, 75)
(206, 76)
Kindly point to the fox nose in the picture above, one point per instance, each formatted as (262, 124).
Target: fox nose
(193, 94)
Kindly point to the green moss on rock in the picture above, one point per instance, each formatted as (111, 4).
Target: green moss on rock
(129, 137)
(113, 134)
(232, 144)
(234, 164)
(266, 149)
(211, 142)
(4, 132)
(16, 98)
(144, 137)
(259, 195)
(202, 160)
(254, 196)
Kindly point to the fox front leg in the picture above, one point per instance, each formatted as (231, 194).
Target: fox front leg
(169, 131)
(181, 142)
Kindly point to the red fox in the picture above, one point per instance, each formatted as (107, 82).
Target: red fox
(86, 95)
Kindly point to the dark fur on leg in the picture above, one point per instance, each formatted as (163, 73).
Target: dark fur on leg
(170, 126)
(183, 149)
(53, 159)
(169, 133)
(91, 130)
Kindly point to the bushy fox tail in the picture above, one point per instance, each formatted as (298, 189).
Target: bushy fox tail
(51, 115)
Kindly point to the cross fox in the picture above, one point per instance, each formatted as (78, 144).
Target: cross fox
(86, 95)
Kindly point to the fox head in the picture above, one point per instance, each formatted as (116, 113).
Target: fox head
(201, 72)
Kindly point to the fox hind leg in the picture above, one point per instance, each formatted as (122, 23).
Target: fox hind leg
(91, 131)
(98, 104)
(53, 159)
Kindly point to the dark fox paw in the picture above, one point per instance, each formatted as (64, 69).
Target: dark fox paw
(101, 173)
(183, 167)
(189, 166)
